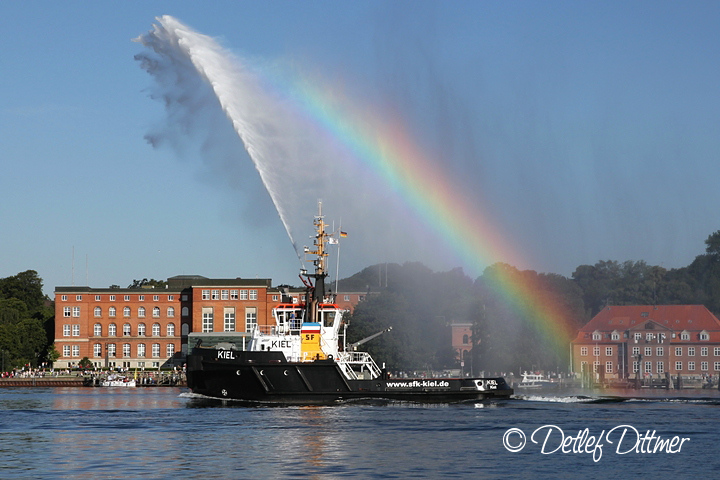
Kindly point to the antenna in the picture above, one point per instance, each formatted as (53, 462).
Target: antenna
(337, 269)
(72, 270)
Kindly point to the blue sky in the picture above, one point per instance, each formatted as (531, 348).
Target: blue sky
(589, 130)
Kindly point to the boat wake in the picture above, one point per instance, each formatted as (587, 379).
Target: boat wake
(562, 398)
(615, 399)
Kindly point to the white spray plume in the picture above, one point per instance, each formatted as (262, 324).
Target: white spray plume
(298, 162)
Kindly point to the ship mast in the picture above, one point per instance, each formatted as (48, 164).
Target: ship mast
(316, 293)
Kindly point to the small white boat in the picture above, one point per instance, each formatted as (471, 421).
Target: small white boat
(118, 381)
(535, 380)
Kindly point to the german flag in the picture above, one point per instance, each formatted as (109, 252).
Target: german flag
(343, 234)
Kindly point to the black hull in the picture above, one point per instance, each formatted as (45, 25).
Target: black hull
(266, 377)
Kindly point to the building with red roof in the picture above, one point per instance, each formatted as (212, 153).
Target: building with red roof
(649, 341)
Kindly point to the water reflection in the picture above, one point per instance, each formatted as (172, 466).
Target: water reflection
(116, 398)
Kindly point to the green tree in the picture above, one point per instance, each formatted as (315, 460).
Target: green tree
(712, 244)
(26, 320)
(145, 283)
(26, 287)
(52, 355)
(85, 363)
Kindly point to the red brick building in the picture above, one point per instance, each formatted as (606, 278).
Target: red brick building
(461, 334)
(649, 341)
(148, 328)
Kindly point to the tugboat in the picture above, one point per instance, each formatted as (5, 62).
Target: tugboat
(303, 359)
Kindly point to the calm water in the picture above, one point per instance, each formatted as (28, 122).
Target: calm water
(165, 433)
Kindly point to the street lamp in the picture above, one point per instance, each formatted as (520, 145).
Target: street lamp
(637, 372)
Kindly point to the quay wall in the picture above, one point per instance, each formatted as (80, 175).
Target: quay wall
(42, 382)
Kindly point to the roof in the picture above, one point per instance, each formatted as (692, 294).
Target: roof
(197, 281)
(678, 318)
(113, 290)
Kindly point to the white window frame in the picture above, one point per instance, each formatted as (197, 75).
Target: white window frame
(207, 320)
(250, 319)
(229, 320)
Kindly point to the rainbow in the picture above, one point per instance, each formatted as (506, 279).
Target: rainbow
(392, 154)
(386, 148)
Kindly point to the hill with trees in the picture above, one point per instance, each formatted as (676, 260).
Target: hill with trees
(420, 305)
